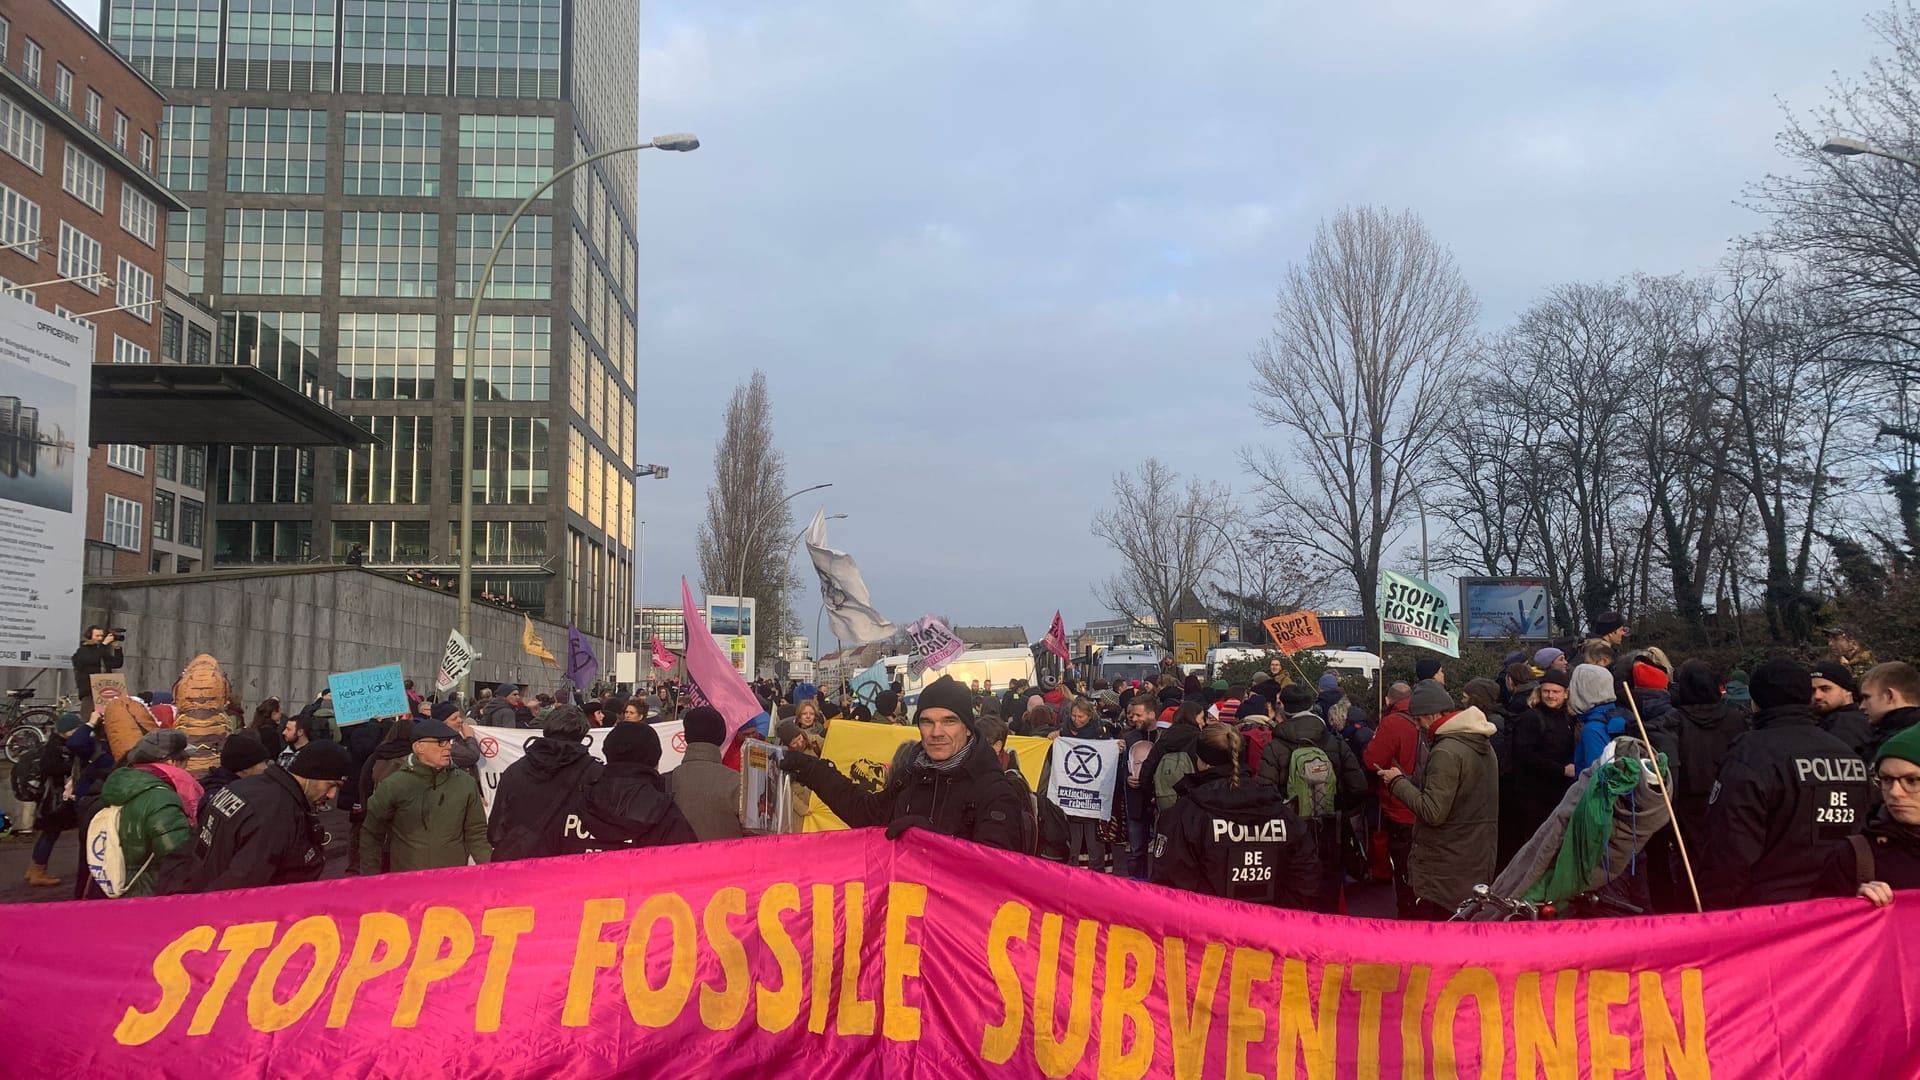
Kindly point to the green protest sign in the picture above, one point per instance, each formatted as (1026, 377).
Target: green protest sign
(1413, 612)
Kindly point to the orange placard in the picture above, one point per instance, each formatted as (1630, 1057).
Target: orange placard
(1295, 631)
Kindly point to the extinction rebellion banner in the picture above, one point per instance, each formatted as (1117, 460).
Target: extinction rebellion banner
(849, 955)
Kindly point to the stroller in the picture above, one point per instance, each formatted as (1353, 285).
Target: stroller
(1588, 859)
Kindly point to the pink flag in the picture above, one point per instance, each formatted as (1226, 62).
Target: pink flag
(1057, 639)
(662, 658)
(713, 676)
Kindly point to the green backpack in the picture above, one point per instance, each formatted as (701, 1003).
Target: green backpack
(1310, 784)
(1167, 775)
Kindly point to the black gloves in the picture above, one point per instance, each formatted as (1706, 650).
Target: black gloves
(790, 762)
(901, 825)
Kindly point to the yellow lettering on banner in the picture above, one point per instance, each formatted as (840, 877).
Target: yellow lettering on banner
(1246, 1025)
(1011, 923)
(378, 929)
(776, 1008)
(1191, 1016)
(1539, 1048)
(1304, 1031)
(590, 955)
(1413, 1008)
(1371, 982)
(439, 926)
(316, 932)
(900, 1021)
(1060, 1054)
(721, 1009)
(502, 927)
(652, 1006)
(1608, 1051)
(822, 959)
(1661, 1052)
(239, 942)
(1123, 1005)
(855, 1014)
(1476, 983)
(137, 1028)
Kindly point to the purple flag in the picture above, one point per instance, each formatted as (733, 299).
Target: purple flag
(582, 666)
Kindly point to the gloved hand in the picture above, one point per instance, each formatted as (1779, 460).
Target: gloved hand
(789, 763)
(901, 825)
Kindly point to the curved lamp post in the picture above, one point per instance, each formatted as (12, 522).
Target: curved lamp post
(746, 543)
(1239, 570)
(678, 142)
(1842, 147)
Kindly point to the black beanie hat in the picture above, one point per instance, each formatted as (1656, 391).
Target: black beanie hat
(633, 744)
(323, 760)
(946, 693)
(1836, 673)
(704, 724)
(1780, 682)
(1295, 697)
(1556, 677)
(1426, 668)
(1251, 706)
(242, 750)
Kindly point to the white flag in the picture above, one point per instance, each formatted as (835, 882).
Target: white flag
(849, 608)
(455, 664)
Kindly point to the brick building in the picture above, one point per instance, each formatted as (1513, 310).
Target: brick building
(83, 227)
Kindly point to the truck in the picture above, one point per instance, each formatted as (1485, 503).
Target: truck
(1191, 640)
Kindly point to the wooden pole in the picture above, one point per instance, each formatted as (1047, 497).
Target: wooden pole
(1672, 818)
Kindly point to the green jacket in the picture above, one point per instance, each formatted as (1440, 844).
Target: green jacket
(425, 819)
(152, 824)
(1456, 808)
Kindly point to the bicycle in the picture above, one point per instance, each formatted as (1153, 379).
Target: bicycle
(24, 728)
(1485, 906)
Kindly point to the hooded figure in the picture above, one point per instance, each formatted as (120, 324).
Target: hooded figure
(536, 790)
(1597, 714)
(1455, 798)
(628, 807)
(1703, 730)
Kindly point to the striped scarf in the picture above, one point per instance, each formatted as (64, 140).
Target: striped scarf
(952, 764)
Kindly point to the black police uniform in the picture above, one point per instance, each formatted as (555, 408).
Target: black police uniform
(1242, 842)
(258, 830)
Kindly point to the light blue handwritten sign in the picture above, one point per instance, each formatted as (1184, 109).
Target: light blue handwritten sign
(363, 695)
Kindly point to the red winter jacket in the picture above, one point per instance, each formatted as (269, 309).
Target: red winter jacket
(1396, 744)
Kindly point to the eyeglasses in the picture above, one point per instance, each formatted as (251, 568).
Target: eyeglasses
(1909, 784)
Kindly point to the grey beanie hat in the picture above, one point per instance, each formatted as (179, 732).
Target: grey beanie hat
(1429, 699)
(159, 745)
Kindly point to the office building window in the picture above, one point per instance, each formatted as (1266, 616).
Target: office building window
(284, 344)
(394, 46)
(576, 471)
(505, 157)
(187, 246)
(166, 462)
(79, 258)
(30, 61)
(174, 43)
(137, 213)
(266, 474)
(146, 151)
(398, 469)
(388, 254)
(172, 329)
(186, 138)
(63, 86)
(280, 45)
(507, 48)
(274, 252)
(19, 223)
(93, 109)
(392, 154)
(193, 467)
(6, 33)
(578, 359)
(126, 352)
(163, 515)
(134, 290)
(385, 357)
(72, 316)
(193, 522)
(383, 541)
(512, 355)
(524, 270)
(277, 150)
(242, 543)
(127, 458)
(22, 134)
(84, 178)
(199, 346)
(123, 523)
(120, 130)
(510, 464)
(502, 541)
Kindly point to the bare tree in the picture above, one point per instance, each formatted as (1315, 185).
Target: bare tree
(1161, 530)
(745, 518)
(1270, 578)
(1370, 335)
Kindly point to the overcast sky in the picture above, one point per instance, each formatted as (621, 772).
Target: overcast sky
(991, 252)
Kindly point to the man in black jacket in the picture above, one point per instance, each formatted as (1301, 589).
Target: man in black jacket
(97, 655)
(261, 829)
(1890, 696)
(1136, 792)
(1834, 709)
(1787, 794)
(955, 785)
(628, 807)
(536, 790)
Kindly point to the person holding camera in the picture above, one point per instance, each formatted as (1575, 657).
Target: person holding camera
(97, 655)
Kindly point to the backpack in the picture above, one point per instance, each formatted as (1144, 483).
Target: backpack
(1029, 817)
(105, 861)
(1169, 772)
(28, 784)
(1258, 735)
(1310, 783)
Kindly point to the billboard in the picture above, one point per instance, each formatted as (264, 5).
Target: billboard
(1505, 608)
(730, 620)
(46, 373)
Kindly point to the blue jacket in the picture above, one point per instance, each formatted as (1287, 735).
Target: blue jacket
(1598, 726)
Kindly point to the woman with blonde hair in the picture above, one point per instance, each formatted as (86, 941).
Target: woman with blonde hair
(1234, 835)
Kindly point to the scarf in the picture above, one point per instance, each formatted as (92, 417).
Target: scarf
(952, 764)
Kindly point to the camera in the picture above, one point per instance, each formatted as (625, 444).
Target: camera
(119, 632)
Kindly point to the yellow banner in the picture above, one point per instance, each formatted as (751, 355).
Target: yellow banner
(864, 753)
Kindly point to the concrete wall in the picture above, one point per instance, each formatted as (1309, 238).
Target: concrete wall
(281, 632)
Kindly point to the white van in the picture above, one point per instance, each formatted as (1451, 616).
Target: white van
(1227, 651)
(1120, 664)
(1350, 662)
(995, 667)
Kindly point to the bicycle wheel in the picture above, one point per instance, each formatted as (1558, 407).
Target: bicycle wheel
(25, 740)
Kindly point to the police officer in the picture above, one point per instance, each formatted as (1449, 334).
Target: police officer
(1787, 795)
(261, 829)
(1232, 836)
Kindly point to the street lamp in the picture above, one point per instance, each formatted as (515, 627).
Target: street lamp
(1415, 490)
(746, 542)
(679, 142)
(1239, 571)
(1844, 147)
(823, 600)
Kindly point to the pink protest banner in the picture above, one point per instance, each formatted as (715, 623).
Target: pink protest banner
(847, 955)
(715, 682)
